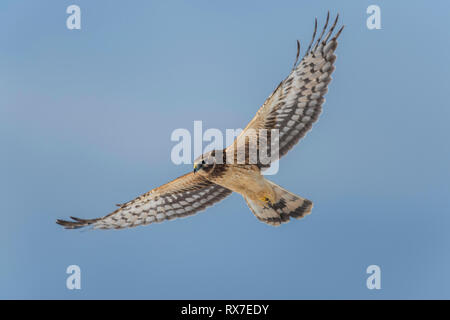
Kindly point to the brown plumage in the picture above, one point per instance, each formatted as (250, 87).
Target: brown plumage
(291, 109)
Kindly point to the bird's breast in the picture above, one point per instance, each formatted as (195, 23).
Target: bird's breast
(243, 179)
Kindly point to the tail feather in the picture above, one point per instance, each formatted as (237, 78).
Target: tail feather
(288, 206)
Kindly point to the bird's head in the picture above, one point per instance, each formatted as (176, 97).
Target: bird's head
(206, 162)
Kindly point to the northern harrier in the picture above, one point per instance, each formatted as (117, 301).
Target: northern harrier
(291, 109)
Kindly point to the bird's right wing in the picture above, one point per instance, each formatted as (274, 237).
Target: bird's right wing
(181, 197)
(297, 101)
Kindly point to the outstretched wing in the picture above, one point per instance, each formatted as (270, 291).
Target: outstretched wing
(182, 197)
(297, 101)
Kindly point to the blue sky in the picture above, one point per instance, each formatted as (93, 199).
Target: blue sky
(85, 122)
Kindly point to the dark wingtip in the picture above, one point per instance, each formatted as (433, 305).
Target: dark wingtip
(339, 32)
(313, 37)
(298, 55)
(78, 219)
(323, 31)
(66, 224)
(77, 223)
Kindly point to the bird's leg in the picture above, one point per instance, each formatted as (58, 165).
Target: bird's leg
(266, 198)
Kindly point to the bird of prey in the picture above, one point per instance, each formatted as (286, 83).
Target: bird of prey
(291, 109)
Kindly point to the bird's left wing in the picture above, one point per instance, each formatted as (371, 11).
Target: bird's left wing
(297, 101)
(182, 197)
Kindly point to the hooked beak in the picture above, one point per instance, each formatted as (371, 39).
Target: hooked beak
(197, 166)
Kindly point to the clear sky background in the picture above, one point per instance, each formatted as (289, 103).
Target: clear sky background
(85, 123)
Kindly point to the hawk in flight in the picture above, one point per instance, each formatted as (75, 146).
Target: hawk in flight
(291, 109)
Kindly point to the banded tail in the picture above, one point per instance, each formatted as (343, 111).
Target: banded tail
(288, 205)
